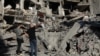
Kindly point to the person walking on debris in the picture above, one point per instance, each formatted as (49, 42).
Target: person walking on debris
(19, 31)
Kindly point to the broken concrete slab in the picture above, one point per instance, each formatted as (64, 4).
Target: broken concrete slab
(70, 34)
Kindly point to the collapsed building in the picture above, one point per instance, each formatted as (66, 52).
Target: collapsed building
(71, 27)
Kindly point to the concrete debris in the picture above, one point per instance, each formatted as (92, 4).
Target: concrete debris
(70, 34)
(9, 35)
(63, 27)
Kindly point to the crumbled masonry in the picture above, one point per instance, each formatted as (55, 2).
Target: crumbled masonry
(68, 27)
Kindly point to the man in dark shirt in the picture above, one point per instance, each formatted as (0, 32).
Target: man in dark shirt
(32, 37)
(31, 33)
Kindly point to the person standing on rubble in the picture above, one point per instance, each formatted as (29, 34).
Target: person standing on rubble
(32, 37)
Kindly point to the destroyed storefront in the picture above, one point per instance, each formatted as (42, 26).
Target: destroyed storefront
(70, 27)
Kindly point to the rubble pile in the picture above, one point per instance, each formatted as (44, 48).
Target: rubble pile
(68, 28)
(77, 40)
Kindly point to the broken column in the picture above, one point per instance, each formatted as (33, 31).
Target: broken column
(94, 6)
(1, 9)
(22, 4)
(61, 10)
(48, 11)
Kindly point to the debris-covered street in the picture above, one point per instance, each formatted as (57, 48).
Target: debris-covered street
(49, 28)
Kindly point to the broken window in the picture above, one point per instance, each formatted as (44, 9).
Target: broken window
(12, 3)
(9, 19)
(54, 7)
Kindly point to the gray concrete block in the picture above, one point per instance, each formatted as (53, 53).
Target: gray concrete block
(70, 34)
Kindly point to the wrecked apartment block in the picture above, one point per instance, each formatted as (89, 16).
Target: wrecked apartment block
(62, 27)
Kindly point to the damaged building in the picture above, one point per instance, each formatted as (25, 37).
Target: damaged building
(70, 27)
